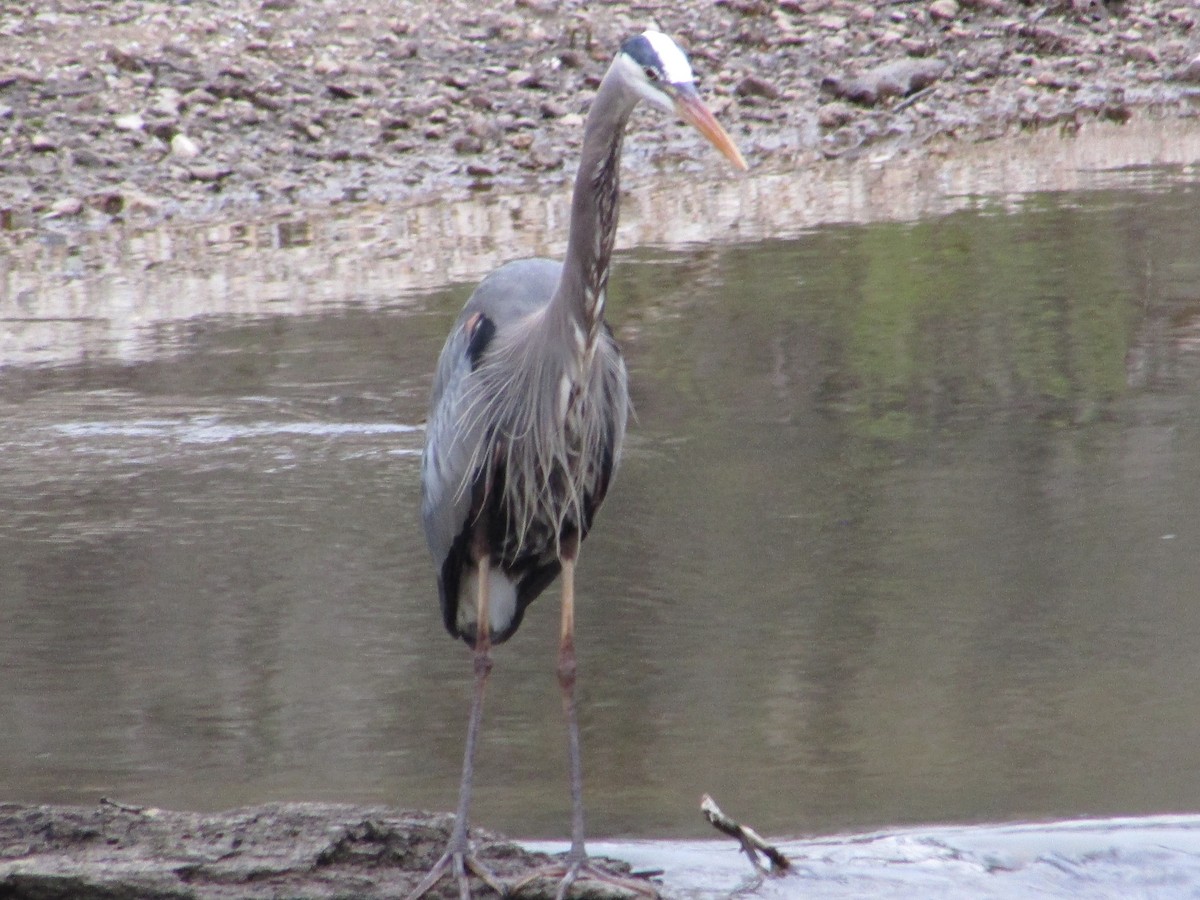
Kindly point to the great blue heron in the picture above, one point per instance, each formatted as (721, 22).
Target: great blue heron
(525, 425)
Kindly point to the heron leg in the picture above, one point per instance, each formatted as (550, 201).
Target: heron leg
(457, 857)
(576, 865)
(567, 669)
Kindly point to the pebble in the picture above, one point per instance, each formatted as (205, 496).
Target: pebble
(183, 147)
(197, 97)
(168, 101)
(41, 143)
(110, 204)
(834, 115)
(425, 108)
(326, 65)
(482, 128)
(209, 174)
(572, 59)
(88, 159)
(1190, 72)
(526, 79)
(542, 158)
(467, 143)
(756, 86)
(1143, 53)
(130, 122)
(67, 206)
(1049, 79)
(943, 10)
(310, 130)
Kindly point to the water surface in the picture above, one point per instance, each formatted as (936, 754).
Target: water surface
(907, 530)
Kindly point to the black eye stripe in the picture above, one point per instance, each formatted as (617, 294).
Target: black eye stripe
(640, 50)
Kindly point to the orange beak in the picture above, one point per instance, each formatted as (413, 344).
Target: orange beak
(693, 111)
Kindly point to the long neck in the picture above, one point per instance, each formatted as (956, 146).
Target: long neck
(579, 299)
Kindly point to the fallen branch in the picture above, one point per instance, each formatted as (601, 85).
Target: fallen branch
(123, 807)
(899, 78)
(751, 841)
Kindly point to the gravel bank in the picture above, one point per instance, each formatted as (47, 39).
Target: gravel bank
(135, 108)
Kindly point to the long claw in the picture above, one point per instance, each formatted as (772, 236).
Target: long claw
(570, 872)
(435, 875)
(460, 862)
(486, 875)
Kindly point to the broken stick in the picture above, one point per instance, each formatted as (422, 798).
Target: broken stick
(751, 841)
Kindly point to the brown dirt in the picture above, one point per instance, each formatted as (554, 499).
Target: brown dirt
(140, 108)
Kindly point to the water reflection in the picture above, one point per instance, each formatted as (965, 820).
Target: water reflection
(127, 292)
(906, 531)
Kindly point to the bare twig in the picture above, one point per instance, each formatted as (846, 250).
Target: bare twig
(752, 843)
(913, 98)
(123, 807)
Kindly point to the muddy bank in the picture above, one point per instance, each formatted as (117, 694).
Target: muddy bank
(138, 109)
(318, 851)
(298, 850)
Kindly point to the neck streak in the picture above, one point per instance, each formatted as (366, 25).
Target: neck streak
(595, 206)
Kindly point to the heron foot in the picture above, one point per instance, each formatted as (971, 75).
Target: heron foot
(460, 862)
(568, 872)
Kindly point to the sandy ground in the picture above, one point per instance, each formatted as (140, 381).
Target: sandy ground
(134, 108)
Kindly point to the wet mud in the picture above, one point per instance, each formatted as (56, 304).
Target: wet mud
(318, 851)
(299, 850)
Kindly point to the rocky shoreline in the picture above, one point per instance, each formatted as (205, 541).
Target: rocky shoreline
(136, 109)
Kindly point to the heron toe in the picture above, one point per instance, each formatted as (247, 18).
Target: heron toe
(567, 874)
(460, 863)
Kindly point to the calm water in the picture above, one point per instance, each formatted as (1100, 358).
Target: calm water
(908, 530)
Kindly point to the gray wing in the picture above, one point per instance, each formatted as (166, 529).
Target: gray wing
(504, 297)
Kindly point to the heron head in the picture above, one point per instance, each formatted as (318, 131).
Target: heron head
(659, 72)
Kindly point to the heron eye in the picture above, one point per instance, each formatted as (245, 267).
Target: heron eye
(651, 73)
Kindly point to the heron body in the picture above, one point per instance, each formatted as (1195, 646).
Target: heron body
(526, 420)
(487, 435)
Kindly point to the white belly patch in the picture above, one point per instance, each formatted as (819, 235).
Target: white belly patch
(502, 600)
